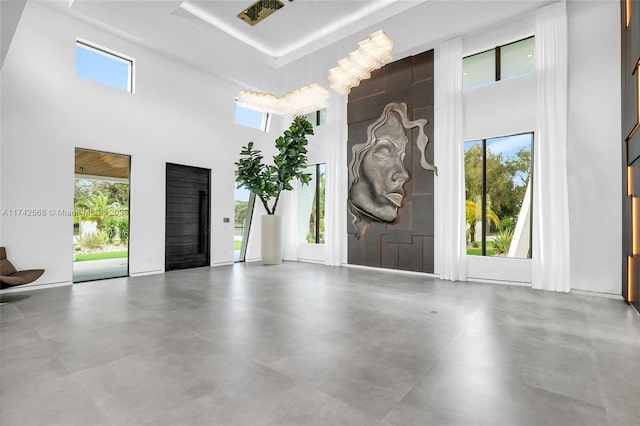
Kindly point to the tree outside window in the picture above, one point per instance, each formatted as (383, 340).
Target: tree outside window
(498, 196)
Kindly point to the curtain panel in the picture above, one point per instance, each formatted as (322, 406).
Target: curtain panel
(551, 248)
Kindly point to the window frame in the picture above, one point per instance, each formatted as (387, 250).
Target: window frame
(111, 54)
(246, 230)
(497, 59)
(316, 204)
(483, 142)
(265, 122)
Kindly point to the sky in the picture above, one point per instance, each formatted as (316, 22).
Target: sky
(508, 146)
(248, 117)
(242, 194)
(102, 68)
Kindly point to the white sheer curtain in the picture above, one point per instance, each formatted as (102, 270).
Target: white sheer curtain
(450, 223)
(336, 183)
(551, 249)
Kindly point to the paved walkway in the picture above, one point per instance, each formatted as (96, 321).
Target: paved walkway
(90, 270)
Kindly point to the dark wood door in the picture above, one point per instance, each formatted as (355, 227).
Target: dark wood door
(187, 217)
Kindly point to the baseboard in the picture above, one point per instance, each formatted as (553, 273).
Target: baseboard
(317, 262)
(498, 282)
(143, 273)
(393, 271)
(597, 294)
(215, 265)
(29, 287)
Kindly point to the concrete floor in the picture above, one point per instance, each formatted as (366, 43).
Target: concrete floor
(91, 270)
(303, 344)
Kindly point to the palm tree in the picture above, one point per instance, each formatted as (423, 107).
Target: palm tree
(473, 212)
(95, 208)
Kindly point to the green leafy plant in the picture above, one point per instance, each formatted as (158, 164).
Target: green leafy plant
(94, 208)
(502, 241)
(123, 229)
(506, 223)
(93, 241)
(268, 181)
(110, 227)
(473, 215)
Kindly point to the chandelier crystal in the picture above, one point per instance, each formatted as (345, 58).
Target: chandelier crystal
(372, 53)
(297, 102)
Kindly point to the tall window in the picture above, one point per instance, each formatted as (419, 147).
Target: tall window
(311, 206)
(103, 66)
(251, 118)
(498, 191)
(243, 211)
(503, 62)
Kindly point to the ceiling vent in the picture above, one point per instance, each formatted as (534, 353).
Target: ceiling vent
(259, 10)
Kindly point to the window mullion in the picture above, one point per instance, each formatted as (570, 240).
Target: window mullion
(483, 214)
(317, 198)
(497, 56)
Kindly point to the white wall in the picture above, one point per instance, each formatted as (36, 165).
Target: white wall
(502, 108)
(594, 148)
(10, 13)
(177, 115)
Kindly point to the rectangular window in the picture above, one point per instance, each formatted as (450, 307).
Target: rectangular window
(516, 59)
(317, 118)
(311, 206)
(243, 211)
(479, 69)
(499, 196)
(251, 118)
(503, 62)
(104, 66)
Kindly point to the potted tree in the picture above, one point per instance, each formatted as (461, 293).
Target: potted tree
(267, 181)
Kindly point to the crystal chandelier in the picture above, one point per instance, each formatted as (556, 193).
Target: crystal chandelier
(297, 102)
(372, 53)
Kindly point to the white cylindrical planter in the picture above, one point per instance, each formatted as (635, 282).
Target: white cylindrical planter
(272, 239)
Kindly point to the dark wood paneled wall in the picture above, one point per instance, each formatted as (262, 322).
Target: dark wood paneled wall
(630, 36)
(408, 243)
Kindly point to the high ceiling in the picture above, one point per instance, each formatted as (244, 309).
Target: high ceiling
(303, 38)
(298, 28)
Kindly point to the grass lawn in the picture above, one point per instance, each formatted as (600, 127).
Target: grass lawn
(478, 251)
(102, 255)
(237, 244)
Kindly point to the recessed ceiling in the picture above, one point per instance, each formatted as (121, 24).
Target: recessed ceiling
(299, 27)
(259, 11)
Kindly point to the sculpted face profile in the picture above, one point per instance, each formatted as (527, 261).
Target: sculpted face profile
(377, 173)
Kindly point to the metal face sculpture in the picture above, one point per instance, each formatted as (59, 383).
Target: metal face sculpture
(377, 173)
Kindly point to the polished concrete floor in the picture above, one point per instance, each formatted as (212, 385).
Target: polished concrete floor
(91, 270)
(302, 344)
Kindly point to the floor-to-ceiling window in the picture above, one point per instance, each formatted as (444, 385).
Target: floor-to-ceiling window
(311, 206)
(243, 210)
